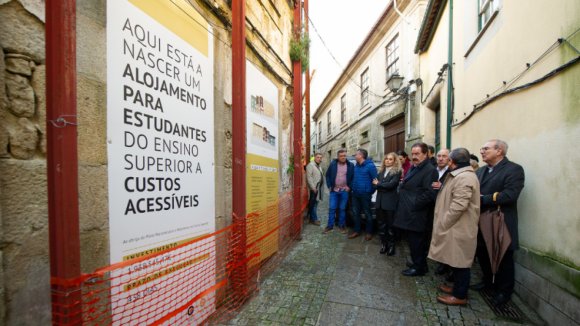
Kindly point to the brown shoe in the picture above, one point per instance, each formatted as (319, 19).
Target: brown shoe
(342, 229)
(446, 289)
(317, 223)
(328, 229)
(452, 301)
(368, 237)
(352, 236)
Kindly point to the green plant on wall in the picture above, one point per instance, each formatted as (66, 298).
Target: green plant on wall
(290, 168)
(299, 46)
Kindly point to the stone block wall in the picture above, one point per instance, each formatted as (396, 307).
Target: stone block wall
(24, 251)
(552, 289)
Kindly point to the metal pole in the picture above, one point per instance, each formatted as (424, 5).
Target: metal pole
(239, 107)
(450, 77)
(62, 161)
(307, 96)
(239, 139)
(297, 132)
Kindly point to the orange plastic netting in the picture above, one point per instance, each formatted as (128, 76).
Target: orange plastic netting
(203, 281)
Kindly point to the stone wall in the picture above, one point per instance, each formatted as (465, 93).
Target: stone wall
(24, 272)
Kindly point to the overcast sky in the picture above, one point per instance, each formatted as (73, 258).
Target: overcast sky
(342, 24)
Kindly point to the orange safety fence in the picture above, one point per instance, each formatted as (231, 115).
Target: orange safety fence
(202, 282)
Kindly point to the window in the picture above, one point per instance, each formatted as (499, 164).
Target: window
(329, 130)
(393, 57)
(343, 109)
(364, 80)
(486, 9)
(320, 131)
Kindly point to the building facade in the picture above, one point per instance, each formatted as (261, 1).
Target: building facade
(515, 77)
(24, 254)
(360, 111)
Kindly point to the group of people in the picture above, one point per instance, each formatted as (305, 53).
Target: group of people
(437, 201)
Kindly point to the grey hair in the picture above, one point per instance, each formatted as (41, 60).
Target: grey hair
(500, 144)
(473, 163)
(340, 151)
(460, 156)
(316, 154)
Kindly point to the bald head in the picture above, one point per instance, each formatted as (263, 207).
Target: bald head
(443, 158)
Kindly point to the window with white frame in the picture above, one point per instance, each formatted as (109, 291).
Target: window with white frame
(486, 9)
(320, 131)
(343, 109)
(393, 57)
(329, 130)
(364, 80)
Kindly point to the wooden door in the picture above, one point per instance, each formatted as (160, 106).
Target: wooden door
(394, 136)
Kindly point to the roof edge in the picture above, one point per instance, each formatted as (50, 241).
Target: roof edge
(429, 31)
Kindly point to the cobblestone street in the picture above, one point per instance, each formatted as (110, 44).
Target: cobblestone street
(327, 279)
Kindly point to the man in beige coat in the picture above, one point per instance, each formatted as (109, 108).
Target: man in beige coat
(455, 225)
(314, 181)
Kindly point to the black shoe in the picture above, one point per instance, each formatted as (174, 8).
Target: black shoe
(410, 265)
(391, 251)
(413, 272)
(500, 299)
(480, 287)
(442, 269)
(384, 249)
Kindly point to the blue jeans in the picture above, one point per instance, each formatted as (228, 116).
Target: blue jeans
(363, 200)
(339, 199)
(314, 215)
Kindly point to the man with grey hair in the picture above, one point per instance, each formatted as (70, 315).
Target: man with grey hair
(501, 182)
(455, 225)
(314, 180)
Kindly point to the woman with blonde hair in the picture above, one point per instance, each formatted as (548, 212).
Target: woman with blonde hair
(387, 199)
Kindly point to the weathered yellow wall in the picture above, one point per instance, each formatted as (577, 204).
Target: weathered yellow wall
(540, 124)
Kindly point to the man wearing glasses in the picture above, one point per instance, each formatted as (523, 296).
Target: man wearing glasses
(501, 182)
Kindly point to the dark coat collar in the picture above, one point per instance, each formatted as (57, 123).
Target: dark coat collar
(498, 167)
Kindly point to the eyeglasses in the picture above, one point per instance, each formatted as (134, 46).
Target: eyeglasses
(485, 149)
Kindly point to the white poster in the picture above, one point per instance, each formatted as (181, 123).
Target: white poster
(160, 136)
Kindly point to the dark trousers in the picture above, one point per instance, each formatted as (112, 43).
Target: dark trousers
(504, 279)
(362, 201)
(417, 249)
(385, 220)
(427, 235)
(462, 276)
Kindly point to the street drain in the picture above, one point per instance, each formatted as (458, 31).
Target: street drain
(508, 310)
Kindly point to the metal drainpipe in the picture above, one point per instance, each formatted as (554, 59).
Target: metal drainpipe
(62, 161)
(449, 76)
(408, 67)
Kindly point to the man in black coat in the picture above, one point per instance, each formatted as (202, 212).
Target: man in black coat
(501, 182)
(416, 200)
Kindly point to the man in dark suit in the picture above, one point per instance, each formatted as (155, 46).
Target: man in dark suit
(442, 170)
(416, 200)
(501, 182)
(432, 158)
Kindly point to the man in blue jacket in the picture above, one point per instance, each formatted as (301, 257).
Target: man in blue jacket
(339, 177)
(362, 191)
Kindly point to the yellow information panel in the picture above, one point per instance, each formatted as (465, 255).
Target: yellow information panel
(262, 163)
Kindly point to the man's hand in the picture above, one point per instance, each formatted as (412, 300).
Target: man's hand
(329, 188)
(347, 189)
(375, 181)
(315, 190)
(436, 185)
